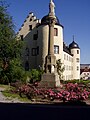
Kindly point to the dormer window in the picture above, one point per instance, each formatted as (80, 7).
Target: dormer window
(30, 19)
(21, 37)
(30, 27)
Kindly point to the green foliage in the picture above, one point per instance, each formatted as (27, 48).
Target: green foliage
(84, 82)
(13, 72)
(17, 72)
(60, 69)
(10, 49)
(35, 75)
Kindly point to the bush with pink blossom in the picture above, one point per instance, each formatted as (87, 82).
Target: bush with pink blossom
(70, 92)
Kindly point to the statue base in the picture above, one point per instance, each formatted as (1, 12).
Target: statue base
(50, 80)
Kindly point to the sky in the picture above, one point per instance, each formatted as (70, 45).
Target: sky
(73, 15)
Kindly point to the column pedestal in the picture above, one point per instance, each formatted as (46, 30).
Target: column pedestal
(50, 80)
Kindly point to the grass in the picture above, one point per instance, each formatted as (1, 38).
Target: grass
(7, 93)
(4, 86)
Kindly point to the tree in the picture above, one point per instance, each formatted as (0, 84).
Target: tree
(60, 68)
(10, 47)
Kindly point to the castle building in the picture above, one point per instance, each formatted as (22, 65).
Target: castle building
(36, 32)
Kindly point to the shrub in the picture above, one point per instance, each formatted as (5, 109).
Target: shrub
(75, 93)
(70, 92)
(35, 75)
(28, 91)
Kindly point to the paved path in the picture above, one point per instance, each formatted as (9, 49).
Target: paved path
(4, 99)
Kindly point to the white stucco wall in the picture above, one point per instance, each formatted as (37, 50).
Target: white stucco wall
(42, 42)
(58, 40)
(68, 65)
(76, 71)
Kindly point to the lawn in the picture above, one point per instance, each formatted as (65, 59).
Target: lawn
(10, 96)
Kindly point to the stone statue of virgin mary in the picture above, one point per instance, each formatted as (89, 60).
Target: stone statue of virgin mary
(51, 8)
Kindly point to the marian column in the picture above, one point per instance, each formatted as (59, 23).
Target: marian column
(51, 58)
(50, 78)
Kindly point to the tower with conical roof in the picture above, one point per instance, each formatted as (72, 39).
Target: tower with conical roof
(75, 51)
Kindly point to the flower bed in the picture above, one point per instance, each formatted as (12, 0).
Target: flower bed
(70, 92)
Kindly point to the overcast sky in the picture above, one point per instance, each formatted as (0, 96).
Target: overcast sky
(74, 15)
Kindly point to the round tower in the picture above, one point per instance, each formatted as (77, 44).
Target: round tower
(75, 51)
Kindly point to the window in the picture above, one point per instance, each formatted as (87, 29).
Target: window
(21, 37)
(77, 51)
(34, 51)
(67, 67)
(77, 59)
(30, 19)
(35, 36)
(64, 56)
(87, 73)
(30, 27)
(77, 67)
(56, 49)
(72, 67)
(67, 57)
(64, 67)
(55, 32)
(38, 50)
(84, 73)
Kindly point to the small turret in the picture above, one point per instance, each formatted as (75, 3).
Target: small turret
(75, 51)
